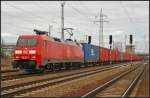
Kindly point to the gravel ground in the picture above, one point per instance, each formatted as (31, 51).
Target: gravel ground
(6, 68)
(6, 63)
(41, 77)
(136, 87)
(76, 87)
(143, 90)
(121, 85)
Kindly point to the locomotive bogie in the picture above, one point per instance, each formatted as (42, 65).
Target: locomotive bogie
(24, 64)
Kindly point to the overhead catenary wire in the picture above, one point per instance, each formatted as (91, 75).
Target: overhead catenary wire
(129, 18)
(70, 22)
(75, 24)
(23, 19)
(37, 5)
(29, 13)
(79, 12)
(26, 20)
(86, 8)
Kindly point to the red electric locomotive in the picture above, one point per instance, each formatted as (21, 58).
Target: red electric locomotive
(39, 52)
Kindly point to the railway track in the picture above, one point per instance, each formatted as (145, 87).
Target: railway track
(10, 75)
(10, 70)
(142, 86)
(110, 87)
(132, 84)
(15, 74)
(16, 90)
(53, 75)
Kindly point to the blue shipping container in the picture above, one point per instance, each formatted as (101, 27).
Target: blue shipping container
(91, 52)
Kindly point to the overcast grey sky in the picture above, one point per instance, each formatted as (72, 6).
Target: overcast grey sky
(125, 18)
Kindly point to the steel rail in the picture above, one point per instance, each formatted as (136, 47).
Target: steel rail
(128, 90)
(22, 89)
(10, 70)
(23, 84)
(24, 75)
(103, 86)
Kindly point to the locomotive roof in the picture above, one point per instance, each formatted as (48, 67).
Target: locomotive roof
(45, 37)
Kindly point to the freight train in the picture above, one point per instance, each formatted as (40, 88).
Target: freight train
(42, 52)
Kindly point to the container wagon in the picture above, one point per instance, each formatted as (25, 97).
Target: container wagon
(91, 53)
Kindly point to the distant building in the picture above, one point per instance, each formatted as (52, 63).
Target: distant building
(130, 49)
(144, 55)
(117, 46)
(7, 49)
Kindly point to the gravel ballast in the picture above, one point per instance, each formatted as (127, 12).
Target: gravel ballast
(76, 87)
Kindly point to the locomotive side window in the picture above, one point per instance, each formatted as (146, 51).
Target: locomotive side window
(27, 42)
(44, 43)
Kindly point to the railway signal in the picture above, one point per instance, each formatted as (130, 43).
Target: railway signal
(131, 39)
(110, 39)
(89, 39)
(110, 43)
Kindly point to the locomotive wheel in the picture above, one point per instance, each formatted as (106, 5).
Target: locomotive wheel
(41, 70)
(48, 66)
(67, 66)
(85, 65)
(79, 65)
(53, 67)
(72, 66)
(60, 66)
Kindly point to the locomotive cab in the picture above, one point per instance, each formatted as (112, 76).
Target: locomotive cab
(25, 53)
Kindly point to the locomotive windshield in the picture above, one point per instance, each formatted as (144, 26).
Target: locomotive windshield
(27, 42)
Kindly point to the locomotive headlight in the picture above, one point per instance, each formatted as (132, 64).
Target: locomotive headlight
(32, 51)
(18, 52)
(17, 57)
